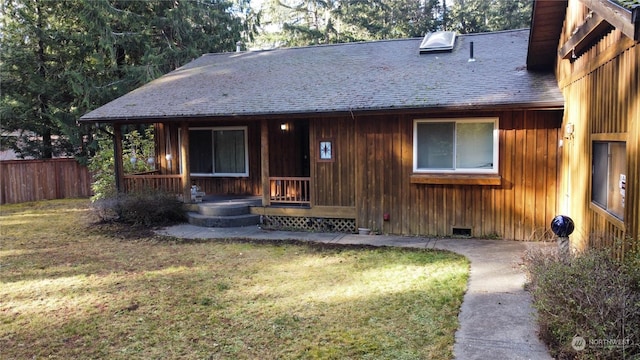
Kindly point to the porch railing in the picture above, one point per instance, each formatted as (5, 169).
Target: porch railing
(284, 190)
(290, 190)
(139, 182)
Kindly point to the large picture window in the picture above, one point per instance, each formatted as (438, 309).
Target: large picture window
(609, 177)
(218, 151)
(455, 146)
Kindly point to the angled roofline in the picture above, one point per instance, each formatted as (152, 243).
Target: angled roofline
(624, 17)
(381, 77)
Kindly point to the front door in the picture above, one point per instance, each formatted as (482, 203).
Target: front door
(289, 149)
(289, 167)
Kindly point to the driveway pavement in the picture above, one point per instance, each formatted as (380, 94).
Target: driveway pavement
(497, 320)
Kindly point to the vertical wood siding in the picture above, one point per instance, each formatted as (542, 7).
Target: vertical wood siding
(601, 89)
(33, 180)
(333, 183)
(520, 208)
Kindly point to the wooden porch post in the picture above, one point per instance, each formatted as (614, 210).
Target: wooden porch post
(264, 163)
(184, 162)
(117, 156)
(161, 148)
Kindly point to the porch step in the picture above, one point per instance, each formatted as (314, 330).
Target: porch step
(219, 211)
(222, 221)
(230, 208)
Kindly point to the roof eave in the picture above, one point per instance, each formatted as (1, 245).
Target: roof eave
(546, 24)
(542, 105)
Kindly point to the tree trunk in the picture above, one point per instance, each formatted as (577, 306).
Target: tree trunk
(47, 146)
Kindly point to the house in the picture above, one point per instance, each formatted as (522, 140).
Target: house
(456, 138)
(593, 46)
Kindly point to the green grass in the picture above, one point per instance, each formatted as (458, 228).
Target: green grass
(70, 288)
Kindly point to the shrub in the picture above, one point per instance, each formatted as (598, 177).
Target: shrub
(148, 208)
(590, 296)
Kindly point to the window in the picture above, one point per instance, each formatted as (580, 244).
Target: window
(456, 146)
(438, 41)
(218, 151)
(609, 179)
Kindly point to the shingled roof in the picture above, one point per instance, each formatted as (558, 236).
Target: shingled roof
(343, 78)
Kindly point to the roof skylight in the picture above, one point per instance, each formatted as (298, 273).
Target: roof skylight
(438, 41)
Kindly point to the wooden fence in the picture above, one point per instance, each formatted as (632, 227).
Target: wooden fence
(33, 180)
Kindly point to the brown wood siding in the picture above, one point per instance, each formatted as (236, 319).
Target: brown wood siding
(34, 180)
(333, 183)
(520, 208)
(601, 89)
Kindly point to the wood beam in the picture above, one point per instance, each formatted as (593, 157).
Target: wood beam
(264, 162)
(184, 162)
(333, 212)
(454, 179)
(635, 18)
(615, 15)
(161, 148)
(598, 61)
(587, 33)
(117, 156)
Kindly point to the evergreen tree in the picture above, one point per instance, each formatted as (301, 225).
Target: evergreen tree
(37, 43)
(61, 59)
(392, 19)
(308, 22)
(473, 16)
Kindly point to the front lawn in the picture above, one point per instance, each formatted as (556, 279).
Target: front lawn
(70, 288)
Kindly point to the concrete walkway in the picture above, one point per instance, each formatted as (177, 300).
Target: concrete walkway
(496, 319)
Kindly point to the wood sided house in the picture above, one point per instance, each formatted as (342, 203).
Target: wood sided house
(468, 139)
(363, 134)
(593, 46)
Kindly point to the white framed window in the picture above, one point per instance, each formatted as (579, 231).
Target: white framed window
(219, 151)
(461, 145)
(608, 178)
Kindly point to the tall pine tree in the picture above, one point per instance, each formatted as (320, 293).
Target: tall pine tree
(473, 16)
(61, 59)
(308, 22)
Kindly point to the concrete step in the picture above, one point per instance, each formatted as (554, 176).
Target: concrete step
(224, 209)
(222, 221)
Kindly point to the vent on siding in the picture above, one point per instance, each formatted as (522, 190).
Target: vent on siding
(466, 232)
(438, 41)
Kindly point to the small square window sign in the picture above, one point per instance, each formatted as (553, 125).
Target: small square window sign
(326, 150)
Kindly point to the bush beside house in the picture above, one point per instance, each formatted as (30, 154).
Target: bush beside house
(588, 305)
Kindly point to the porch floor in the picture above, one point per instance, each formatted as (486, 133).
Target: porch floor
(250, 200)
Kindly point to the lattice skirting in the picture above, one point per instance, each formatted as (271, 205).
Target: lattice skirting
(308, 224)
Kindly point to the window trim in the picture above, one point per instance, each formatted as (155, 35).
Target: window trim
(593, 205)
(245, 130)
(496, 146)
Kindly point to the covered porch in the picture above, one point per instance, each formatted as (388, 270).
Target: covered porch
(271, 163)
(258, 158)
